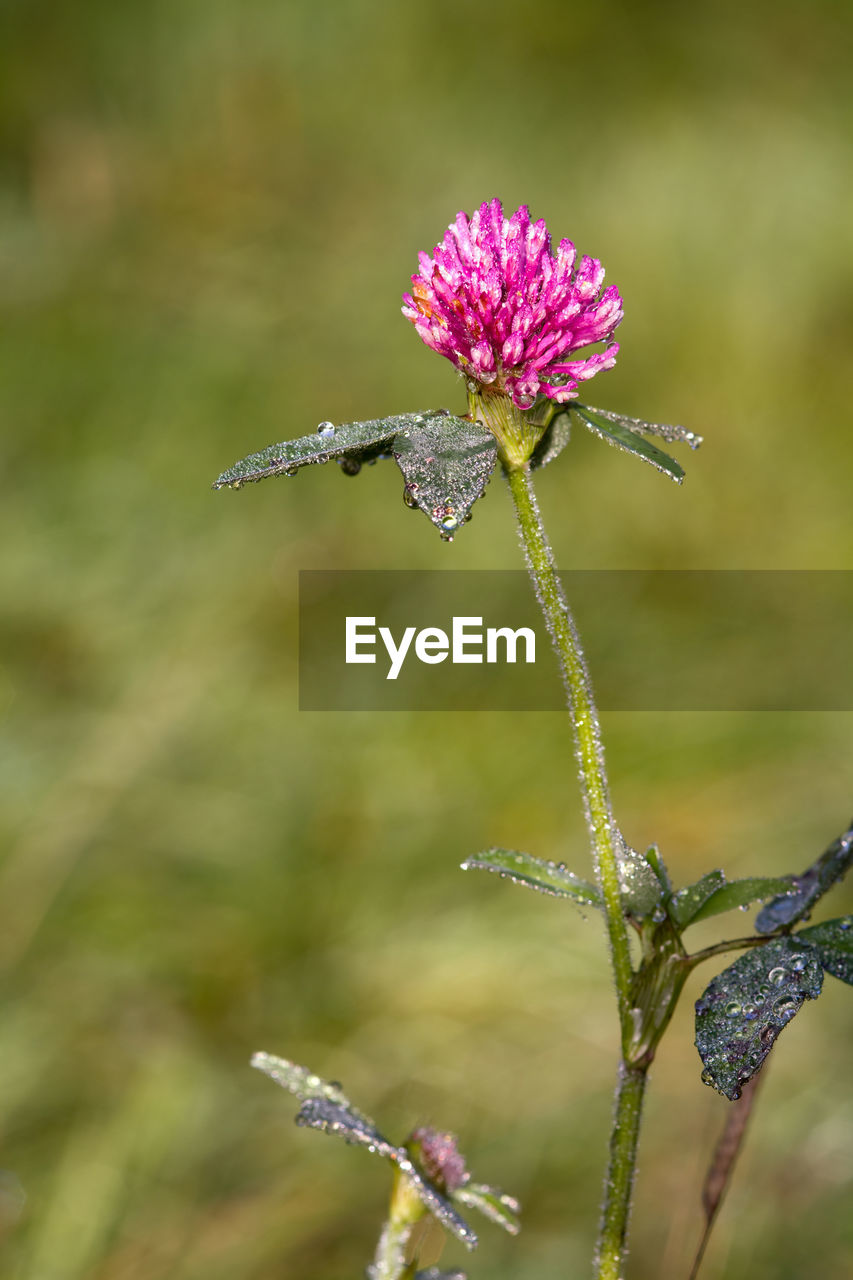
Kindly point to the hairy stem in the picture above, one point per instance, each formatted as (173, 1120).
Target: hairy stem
(588, 749)
(613, 1231)
(606, 848)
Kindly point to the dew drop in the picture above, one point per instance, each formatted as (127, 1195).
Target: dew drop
(706, 1077)
(658, 915)
(750, 1011)
(449, 523)
(786, 1006)
(349, 466)
(846, 924)
(798, 964)
(409, 499)
(326, 430)
(733, 1009)
(777, 976)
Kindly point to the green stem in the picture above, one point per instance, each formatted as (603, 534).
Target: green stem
(720, 949)
(389, 1261)
(610, 1251)
(606, 847)
(588, 747)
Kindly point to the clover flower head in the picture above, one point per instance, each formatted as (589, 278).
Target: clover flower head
(496, 300)
(442, 1162)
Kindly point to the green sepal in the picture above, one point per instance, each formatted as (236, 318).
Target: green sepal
(657, 864)
(446, 464)
(741, 1013)
(641, 888)
(806, 889)
(614, 432)
(558, 428)
(834, 942)
(545, 877)
(493, 1204)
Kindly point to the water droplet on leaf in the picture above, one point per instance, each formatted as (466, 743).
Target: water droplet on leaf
(326, 429)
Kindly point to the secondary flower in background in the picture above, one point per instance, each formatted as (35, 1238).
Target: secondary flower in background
(508, 311)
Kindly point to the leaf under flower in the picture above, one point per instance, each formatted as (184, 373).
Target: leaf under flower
(446, 461)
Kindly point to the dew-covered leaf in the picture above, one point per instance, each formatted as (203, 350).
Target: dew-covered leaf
(546, 877)
(615, 433)
(641, 889)
(493, 1204)
(740, 1014)
(356, 441)
(446, 463)
(834, 942)
(807, 888)
(326, 1107)
(305, 1084)
(437, 1204)
(692, 898)
(739, 893)
(671, 432)
(343, 1122)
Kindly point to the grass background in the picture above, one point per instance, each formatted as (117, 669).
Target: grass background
(208, 212)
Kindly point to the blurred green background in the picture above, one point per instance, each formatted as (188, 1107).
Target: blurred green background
(208, 213)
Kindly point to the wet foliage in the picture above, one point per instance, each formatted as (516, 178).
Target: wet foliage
(808, 888)
(446, 462)
(741, 1013)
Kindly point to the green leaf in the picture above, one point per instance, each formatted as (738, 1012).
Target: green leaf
(493, 1204)
(807, 888)
(615, 433)
(834, 942)
(741, 1013)
(545, 877)
(446, 463)
(639, 426)
(689, 900)
(739, 893)
(355, 441)
(304, 1084)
